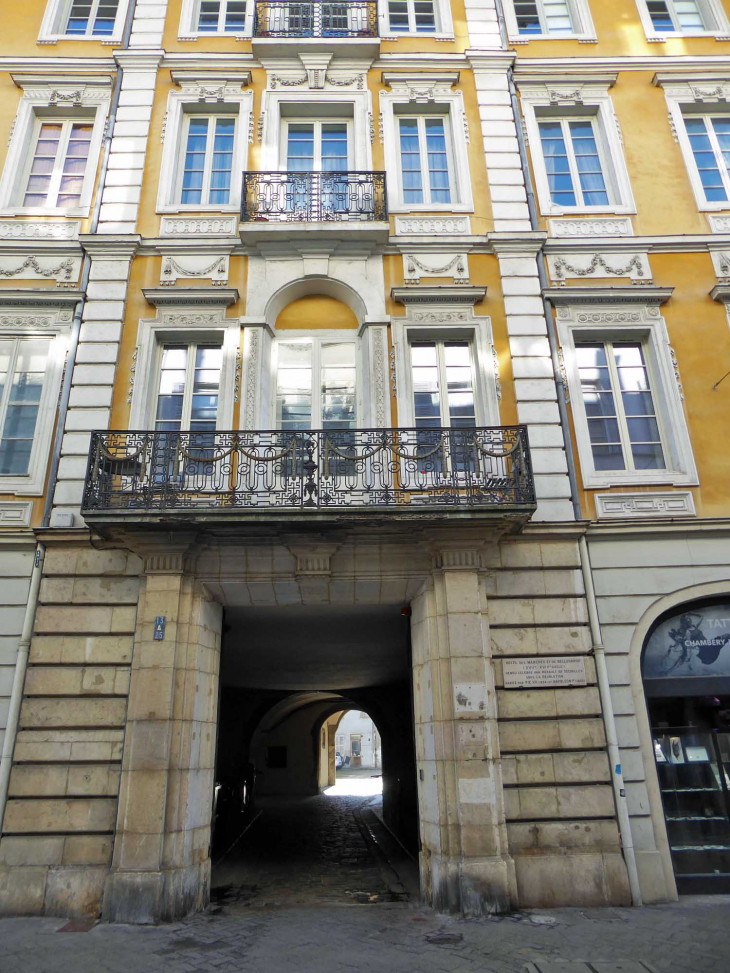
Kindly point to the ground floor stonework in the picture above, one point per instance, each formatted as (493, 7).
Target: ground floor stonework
(170, 666)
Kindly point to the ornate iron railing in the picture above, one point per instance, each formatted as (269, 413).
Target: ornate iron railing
(294, 197)
(331, 469)
(317, 18)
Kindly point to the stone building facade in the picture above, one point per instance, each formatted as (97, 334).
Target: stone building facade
(326, 326)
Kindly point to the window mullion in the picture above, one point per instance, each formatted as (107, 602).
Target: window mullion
(12, 365)
(541, 16)
(423, 159)
(575, 175)
(443, 386)
(673, 16)
(208, 165)
(619, 406)
(719, 157)
(187, 408)
(222, 5)
(315, 359)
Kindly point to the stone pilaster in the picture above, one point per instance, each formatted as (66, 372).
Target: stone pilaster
(465, 864)
(161, 864)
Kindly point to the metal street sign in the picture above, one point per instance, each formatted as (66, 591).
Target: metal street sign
(159, 628)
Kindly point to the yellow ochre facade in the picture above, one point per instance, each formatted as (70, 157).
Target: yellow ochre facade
(322, 320)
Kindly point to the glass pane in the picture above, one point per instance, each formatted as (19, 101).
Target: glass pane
(556, 162)
(410, 158)
(438, 169)
(608, 457)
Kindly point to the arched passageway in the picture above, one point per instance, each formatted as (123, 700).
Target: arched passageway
(290, 680)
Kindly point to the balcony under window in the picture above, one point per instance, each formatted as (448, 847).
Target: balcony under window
(283, 28)
(303, 473)
(299, 204)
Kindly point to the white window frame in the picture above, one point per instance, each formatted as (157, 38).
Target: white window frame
(328, 336)
(713, 14)
(85, 100)
(580, 14)
(282, 106)
(209, 96)
(685, 99)
(189, 22)
(625, 324)
(208, 164)
(438, 98)
(56, 18)
(452, 323)
(561, 101)
(179, 326)
(54, 324)
(444, 23)
(423, 157)
(317, 122)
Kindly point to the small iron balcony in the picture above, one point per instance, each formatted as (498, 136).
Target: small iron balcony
(283, 472)
(314, 197)
(317, 18)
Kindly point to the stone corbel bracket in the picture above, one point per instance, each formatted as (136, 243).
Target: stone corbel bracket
(313, 560)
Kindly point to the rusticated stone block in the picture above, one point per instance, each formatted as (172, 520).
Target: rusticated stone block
(19, 850)
(92, 649)
(77, 681)
(69, 745)
(44, 712)
(37, 816)
(22, 890)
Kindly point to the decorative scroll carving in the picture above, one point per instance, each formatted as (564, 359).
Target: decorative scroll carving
(63, 272)
(393, 384)
(132, 375)
(198, 226)
(379, 377)
(457, 264)
(563, 374)
(495, 366)
(237, 377)
(217, 271)
(675, 367)
(38, 230)
(252, 365)
(432, 225)
(618, 226)
(561, 268)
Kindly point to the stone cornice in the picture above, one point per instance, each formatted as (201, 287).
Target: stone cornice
(190, 296)
(553, 68)
(721, 292)
(505, 244)
(21, 80)
(102, 245)
(54, 65)
(197, 61)
(438, 294)
(39, 298)
(139, 60)
(645, 294)
(210, 75)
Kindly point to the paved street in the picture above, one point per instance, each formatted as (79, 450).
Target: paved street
(303, 893)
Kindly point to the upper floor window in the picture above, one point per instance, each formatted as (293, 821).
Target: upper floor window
(575, 172)
(443, 384)
(58, 164)
(664, 18)
(84, 19)
(316, 384)
(425, 168)
(543, 17)
(22, 370)
(207, 163)
(412, 16)
(546, 19)
(189, 385)
(709, 139)
(221, 16)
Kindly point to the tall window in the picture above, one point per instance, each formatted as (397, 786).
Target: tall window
(424, 159)
(92, 18)
(208, 159)
(221, 16)
(669, 16)
(22, 368)
(573, 164)
(316, 146)
(187, 396)
(619, 404)
(316, 385)
(59, 162)
(443, 384)
(710, 142)
(412, 16)
(543, 17)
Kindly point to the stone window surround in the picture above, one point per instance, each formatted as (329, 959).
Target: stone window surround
(205, 93)
(694, 97)
(54, 323)
(712, 13)
(184, 325)
(188, 30)
(57, 12)
(451, 323)
(276, 105)
(431, 94)
(632, 322)
(53, 97)
(559, 99)
(580, 13)
(444, 20)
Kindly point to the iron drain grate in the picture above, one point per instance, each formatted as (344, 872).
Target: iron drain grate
(589, 966)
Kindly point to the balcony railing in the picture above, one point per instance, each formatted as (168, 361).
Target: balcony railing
(295, 197)
(318, 470)
(278, 18)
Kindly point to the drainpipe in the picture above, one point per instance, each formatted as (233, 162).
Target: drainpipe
(21, 665)
(599, 652)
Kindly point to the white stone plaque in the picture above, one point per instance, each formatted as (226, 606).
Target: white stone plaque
(531, 673)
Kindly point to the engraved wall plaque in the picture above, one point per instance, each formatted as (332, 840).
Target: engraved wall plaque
(544, 672)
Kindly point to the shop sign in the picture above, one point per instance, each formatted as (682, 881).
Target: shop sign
(541, 672)
(693, 643)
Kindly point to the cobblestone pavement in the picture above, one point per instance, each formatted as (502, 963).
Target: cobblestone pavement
(293, 911)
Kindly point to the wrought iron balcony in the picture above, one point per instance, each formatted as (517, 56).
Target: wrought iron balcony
(319, 197)
(339, 470)
(317, 18)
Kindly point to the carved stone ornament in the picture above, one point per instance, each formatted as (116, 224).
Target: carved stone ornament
(566, 96)
(719, 224)
(435, 265)
(432, 225)
(39, 230)
(196, 226)
(630, 265)
(194, 265)
(421, 88)
(631, 506)
(66, 272)
(252, 368)
(379, 377)
(612, 227)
